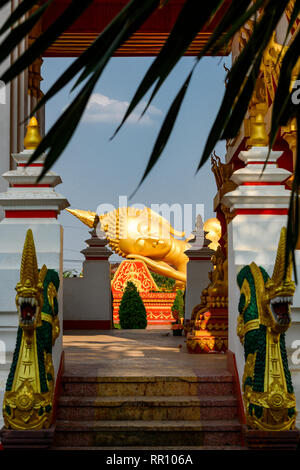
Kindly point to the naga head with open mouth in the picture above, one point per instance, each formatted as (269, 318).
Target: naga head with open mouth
(29, 298)
(279, 291)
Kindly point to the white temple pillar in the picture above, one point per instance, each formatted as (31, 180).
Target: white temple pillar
(5, 113)
(17, 99)
(36, 206)
(88, 299)
(198, 267)
(260, 204)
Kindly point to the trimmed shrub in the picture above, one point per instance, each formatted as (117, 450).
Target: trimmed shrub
(178, 306)
(132, 312)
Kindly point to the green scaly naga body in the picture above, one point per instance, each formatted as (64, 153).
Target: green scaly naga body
(264, 317)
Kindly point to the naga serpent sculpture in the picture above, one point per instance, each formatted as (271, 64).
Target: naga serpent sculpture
(264, 317)
(28, 399)
(143, 235)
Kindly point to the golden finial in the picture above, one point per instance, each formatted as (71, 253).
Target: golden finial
(258, 133)
(32, 137)
(213, 228)
(87, 217)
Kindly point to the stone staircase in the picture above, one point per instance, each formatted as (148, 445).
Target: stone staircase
(196, 412)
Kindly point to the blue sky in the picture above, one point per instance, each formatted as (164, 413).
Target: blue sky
(96, 170)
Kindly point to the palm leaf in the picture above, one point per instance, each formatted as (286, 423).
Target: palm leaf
(166, 129)
(61, 132)
(192, 18)
(294, 16)
(126, 22)
(133, 16)
(283, 109)
(293, 214)
(18, 34)
(235, 17)
(3, 2)
(38, 47)
(17, 14)
(237, 94)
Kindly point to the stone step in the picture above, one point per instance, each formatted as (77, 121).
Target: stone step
(212, 385)
(147, 433)
(147, 408)
(157, 449)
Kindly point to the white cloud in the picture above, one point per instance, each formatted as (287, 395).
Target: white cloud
(101, 108)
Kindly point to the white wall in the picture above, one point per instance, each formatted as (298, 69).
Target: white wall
(89, 297)
(4, 116)
(197, 280)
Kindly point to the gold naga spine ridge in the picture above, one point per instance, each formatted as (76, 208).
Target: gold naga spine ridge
(29, 267)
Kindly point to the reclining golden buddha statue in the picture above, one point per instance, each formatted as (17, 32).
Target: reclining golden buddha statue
(144, 235)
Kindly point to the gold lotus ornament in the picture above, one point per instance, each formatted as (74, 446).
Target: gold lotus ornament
(25, 406)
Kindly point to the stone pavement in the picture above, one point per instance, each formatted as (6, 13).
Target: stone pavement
(148, 353)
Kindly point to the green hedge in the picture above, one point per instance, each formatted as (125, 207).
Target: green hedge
(178, 306)
(132, 312)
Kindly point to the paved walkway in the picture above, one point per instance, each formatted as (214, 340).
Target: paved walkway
(133, 353)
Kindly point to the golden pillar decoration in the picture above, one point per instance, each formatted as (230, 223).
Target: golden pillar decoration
(213, 230)
(208, 331)
(34, 74)
(289, 132)
(32, 137)
(258, 136)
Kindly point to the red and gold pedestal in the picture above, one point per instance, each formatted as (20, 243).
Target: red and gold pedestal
(210, 332)
(158, 304)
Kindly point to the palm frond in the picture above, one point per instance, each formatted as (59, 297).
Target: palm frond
(59, 135)
(283, 108)
(17, 14)
(191, 19)
(40, 45)
(127, 21)
(19, 33)
(166, 129)
(241, 80)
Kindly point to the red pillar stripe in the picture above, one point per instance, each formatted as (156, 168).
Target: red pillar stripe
(261, 183)
(31, 185)
(24, 214)
(261, 211)
(261, 163)
(31, 164)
